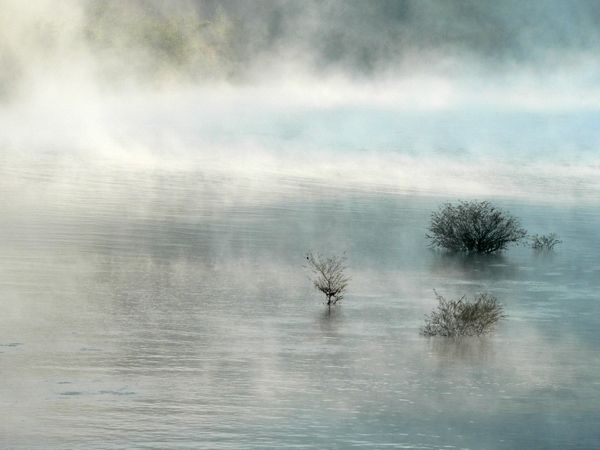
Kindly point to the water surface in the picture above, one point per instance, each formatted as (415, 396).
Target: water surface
(171, 310)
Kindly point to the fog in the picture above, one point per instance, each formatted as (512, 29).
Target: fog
(411, 95)
(165, 165)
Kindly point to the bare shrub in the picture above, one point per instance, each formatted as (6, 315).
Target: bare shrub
(473, 227)
(454, 318)
(328, 276)
(544, 242)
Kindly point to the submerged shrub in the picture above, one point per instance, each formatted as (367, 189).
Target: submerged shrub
(473, 227)
(544, 242)
(328, 276)
(454, 318)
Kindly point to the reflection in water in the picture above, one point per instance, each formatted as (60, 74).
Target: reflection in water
(461, 350)
(474, 267)
(180, 318)
(330, 320)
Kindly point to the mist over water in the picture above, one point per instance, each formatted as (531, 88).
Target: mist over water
(164, 167)
(427, 96)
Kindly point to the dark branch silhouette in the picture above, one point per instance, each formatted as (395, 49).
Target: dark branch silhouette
(328, 276)
(455, 318)
(544, 242)
(473, 227)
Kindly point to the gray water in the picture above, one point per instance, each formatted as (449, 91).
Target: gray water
(166, 309)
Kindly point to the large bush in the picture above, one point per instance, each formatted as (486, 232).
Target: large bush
(454, 318)
(473, 227)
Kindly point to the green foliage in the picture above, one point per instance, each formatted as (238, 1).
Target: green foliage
(473, 227)
(454, 318)
(328, 276)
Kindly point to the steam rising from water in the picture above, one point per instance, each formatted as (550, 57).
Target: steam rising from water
(435, 97)
(165, 165)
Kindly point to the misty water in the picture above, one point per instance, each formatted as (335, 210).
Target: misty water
(170, 309)
(165, 166)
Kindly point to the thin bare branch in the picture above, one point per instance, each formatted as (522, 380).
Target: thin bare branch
(455, 318)
(328, 276)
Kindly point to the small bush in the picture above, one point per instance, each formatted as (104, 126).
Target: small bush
(473, 227)
(544, 242)
(454, 318)
(328, 276)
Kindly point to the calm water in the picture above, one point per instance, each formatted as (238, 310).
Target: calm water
(171, 310)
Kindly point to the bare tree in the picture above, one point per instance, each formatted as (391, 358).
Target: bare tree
(544, 242)
(473, 227)
(455, 318)
(328, 276)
